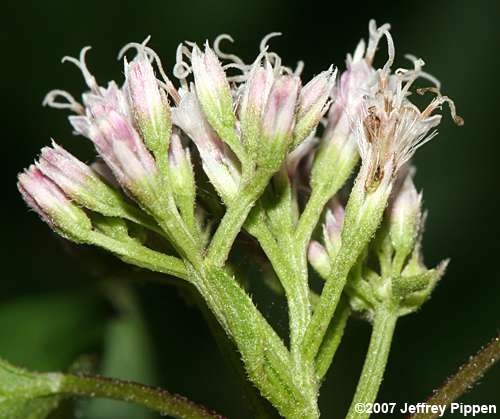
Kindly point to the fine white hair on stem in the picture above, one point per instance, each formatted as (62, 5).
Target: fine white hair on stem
(82, 65)
(50, 99)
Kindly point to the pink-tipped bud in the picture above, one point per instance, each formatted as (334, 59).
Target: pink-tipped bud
(78, 181)
(332, 229)
(212, 86)
(149, 103)
(313, 103)
(255, 96)
(177, 155)
(53, 206)
(122, 149)
(217, 162)
(279, 114)
(319, 258)
(353, 84)
(405, 215)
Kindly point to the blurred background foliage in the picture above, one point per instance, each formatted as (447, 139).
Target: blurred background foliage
(55, 307)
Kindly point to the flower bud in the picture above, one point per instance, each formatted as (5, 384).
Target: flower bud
(404, 217)
(313, 104)
(78, 181)
(181, 173)
(212, 89)
(149, 104)
(279, 118)
(53, 206)
(124, 152)
(318, 258)
(332, 229)
(253, 102)
(217, 161)
(303, 150)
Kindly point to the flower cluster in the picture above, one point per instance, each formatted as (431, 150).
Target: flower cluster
(276, 151)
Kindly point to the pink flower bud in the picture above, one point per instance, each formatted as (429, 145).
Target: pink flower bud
(177, 155)
(313, 104)
(65, 170)
(149, 103)
(211, 83)
(78, 181)
(217, 160)
(405, 214)
(332, 229)
(318, 258)
(256, 92)
(111, 98)
(43, 196)
(124, 152)
(279, 114)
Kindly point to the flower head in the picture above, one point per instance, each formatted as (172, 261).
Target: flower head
(107, 119)
(218, 163)
(78, 181)
(53, 206)
(212, 87)
(313, 103)
(148, 100)
(390, 128)
(279, 114)
(355, 82)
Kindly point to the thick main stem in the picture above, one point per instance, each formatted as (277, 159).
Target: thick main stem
(384, 324)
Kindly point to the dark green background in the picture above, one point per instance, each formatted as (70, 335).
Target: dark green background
(52, 309)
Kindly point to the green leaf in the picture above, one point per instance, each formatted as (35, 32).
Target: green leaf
(25, 395)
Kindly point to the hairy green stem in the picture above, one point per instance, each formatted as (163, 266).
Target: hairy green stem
(296, 289)
(266, 359)
(464, 379)
(136, 215)
(332, 339)
(141, 256)
(384, 323)
(325, 307)
(153, 398)
(234, 218)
